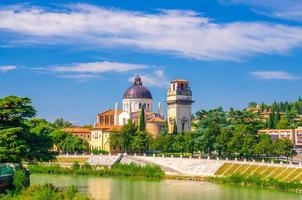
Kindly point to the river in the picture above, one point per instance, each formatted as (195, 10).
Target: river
(115, 188)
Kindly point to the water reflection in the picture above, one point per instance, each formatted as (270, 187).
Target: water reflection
(132, 189)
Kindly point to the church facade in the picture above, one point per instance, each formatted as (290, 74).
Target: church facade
(136, 97)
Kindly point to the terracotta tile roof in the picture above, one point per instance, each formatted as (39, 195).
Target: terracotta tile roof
(108, 127)
(110, 112)
(156, 119)
(77, 130)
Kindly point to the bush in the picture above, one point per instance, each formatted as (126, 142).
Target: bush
(134, 170)
(75, 165)
(257, 181)
(98, 152)
(20, 180)
(46, 192)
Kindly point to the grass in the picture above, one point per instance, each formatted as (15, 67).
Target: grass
(45, 192)
(129, 170)
(71, 159)
(260, 182)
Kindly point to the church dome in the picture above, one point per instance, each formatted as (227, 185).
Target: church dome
(137, 91)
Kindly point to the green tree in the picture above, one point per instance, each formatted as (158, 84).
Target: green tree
(14, 111)
(242, 142)
(252, 104)
(284, 147)
(174, 130)
(178, 145)
(12, 145)
(283, 123)
(127, 135)
(189, 142)
(142, 122)
(115, 139)
(60, 123)
(20, 139)
(74, 144)
(264, 147)
(39, 144)
(221, 143)
(208, 137)
(142, 141)
(270, 122)
(58, 137)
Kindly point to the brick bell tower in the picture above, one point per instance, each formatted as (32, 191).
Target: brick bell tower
(179, 105)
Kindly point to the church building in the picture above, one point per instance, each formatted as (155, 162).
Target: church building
(136, 97)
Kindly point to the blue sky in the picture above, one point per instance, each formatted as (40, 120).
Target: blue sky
(75, 59)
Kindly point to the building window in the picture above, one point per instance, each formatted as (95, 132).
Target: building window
(148, 106)
(183, 127)
(96, 136)
(140, 106)
(124, 121)
(144, 106)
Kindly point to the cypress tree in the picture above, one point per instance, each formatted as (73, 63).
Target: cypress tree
(142, 122)
(174, 131)
(270, 123)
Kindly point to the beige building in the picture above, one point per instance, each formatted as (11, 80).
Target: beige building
(179, 103)
(97, 137)
(100, 138)
(295, 135)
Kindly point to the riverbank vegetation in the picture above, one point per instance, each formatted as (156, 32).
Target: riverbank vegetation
(127, 170)
(47, 191)
(259, 182)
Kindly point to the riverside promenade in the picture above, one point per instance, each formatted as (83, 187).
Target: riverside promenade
(185, 166)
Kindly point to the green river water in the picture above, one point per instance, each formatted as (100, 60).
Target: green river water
(113, 188)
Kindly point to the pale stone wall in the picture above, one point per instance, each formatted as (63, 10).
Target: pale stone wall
(123, 117)
(135, 104)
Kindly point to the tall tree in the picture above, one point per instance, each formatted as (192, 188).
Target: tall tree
(142, 141)
(12, 145)
(142, 122)
(14, 111)
(174, 130)
(127, 135)
(61, 123)
(19, 140)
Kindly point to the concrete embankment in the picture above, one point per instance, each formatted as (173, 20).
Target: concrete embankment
(282, 172)
(179, 166)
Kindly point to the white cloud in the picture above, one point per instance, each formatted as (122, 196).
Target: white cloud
(99, 67)
(78, 76)
(7, 68)
(156, 79)
(84, 71)
(284, 9)
(179, 32)
(274, 75)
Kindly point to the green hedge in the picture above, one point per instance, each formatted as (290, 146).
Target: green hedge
(133, 170)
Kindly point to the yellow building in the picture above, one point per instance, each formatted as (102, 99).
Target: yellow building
(97, 137)
(100, 138)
